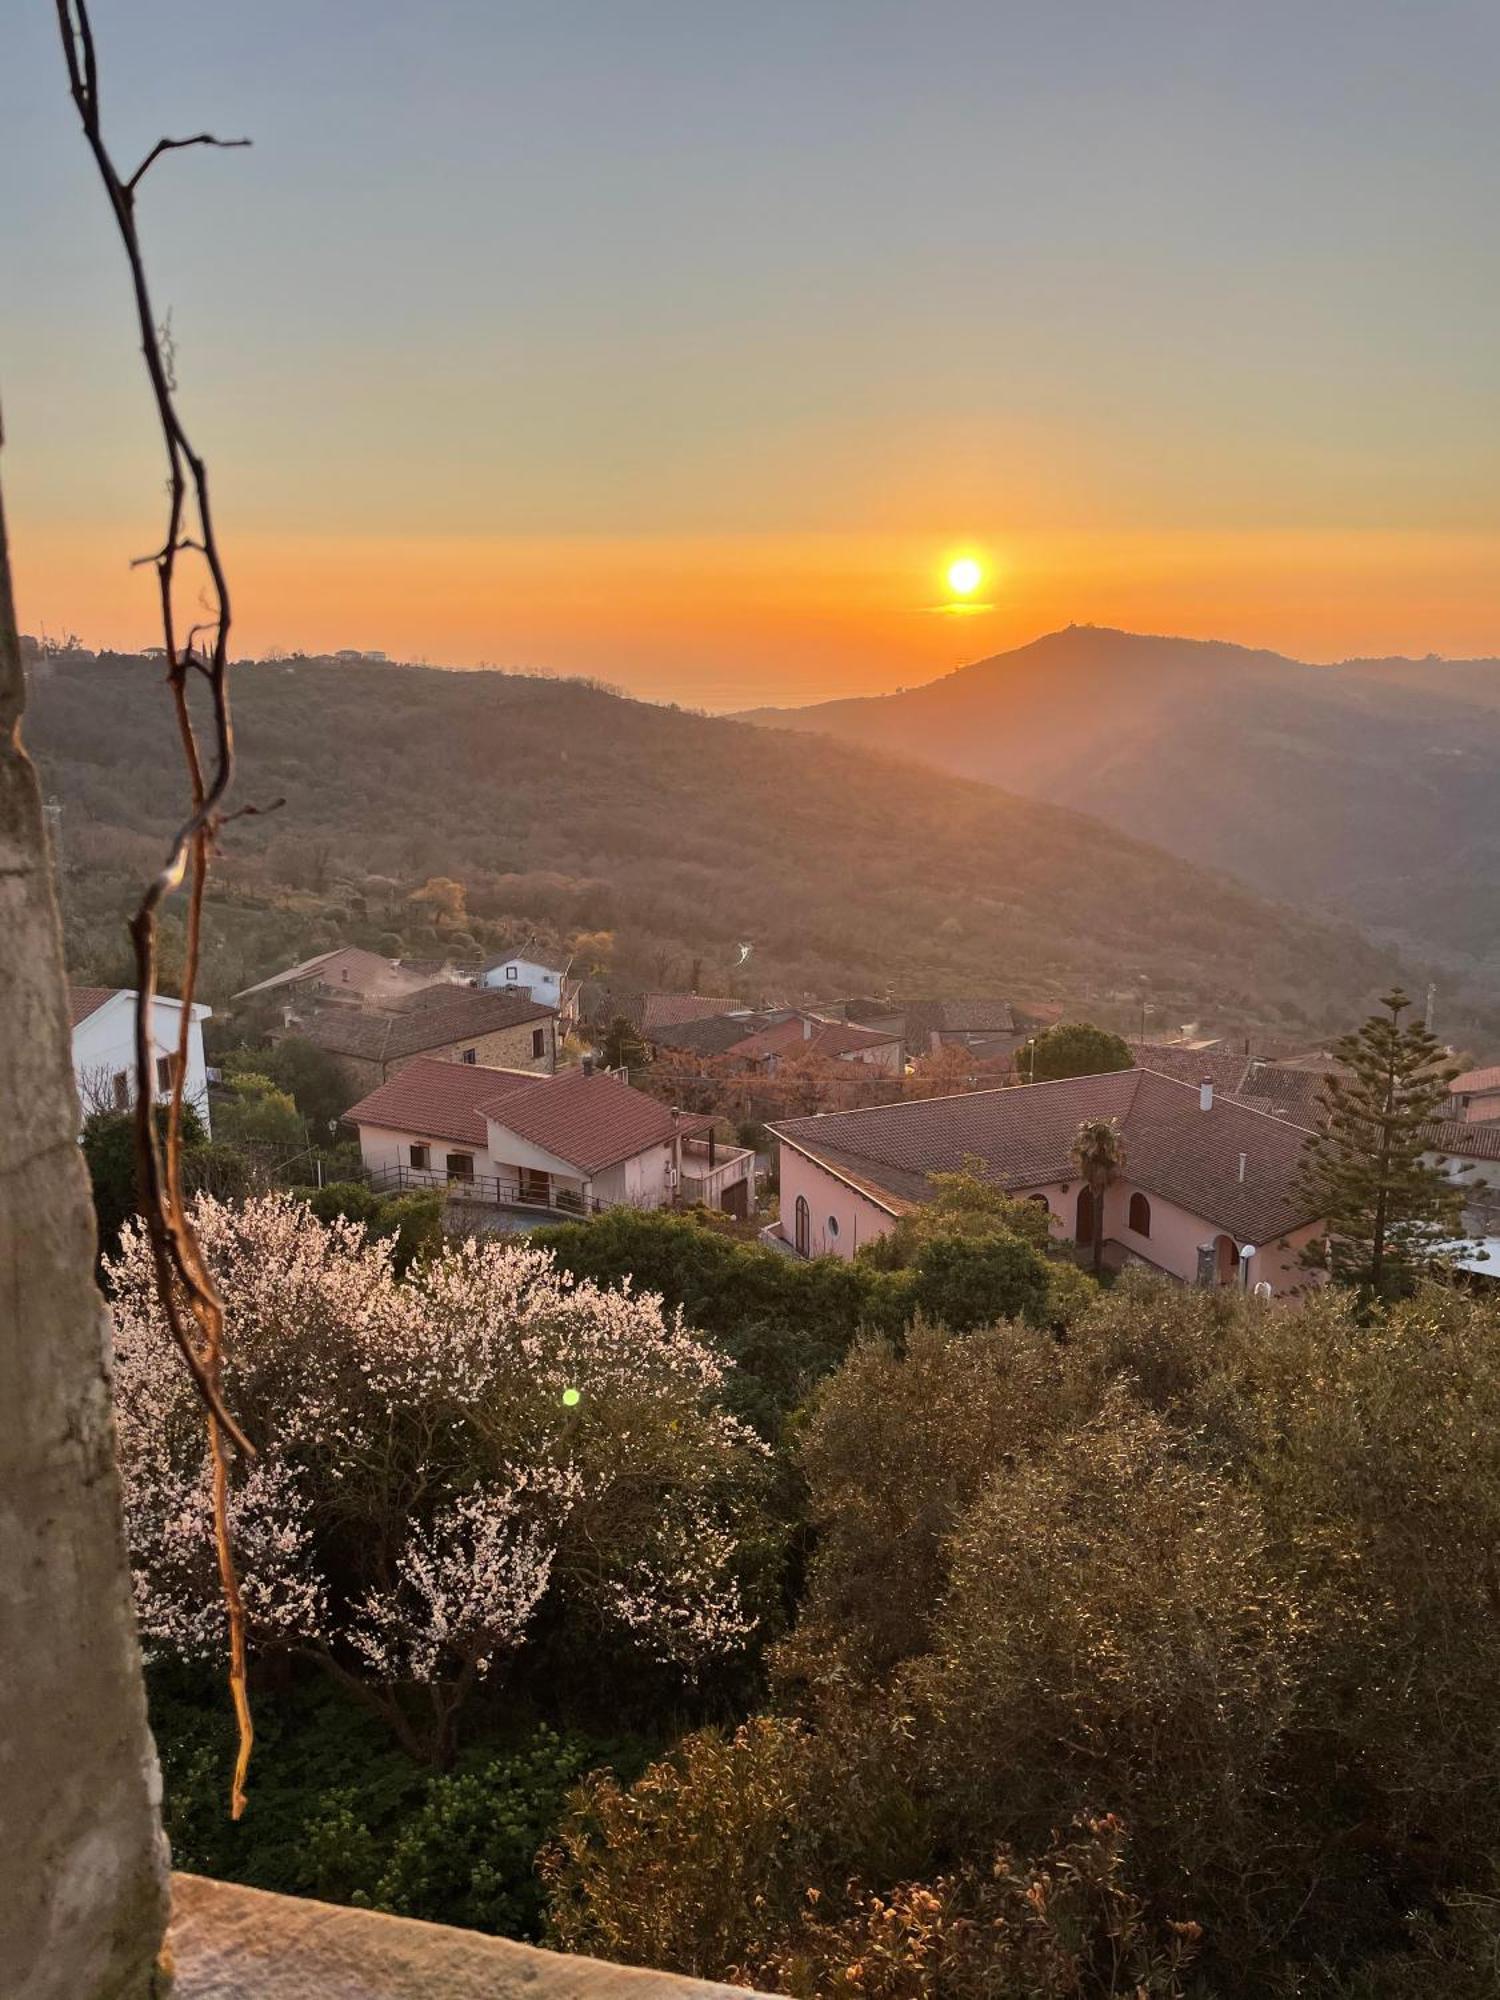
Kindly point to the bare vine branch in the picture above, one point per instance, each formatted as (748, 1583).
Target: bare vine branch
(189, 1297)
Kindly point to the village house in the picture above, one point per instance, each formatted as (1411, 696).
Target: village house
(1294, 1089)
(568, 1144)
(1208, 1192)
(648, 1013)
(1474, 1097)
(443, 1023)
(535, 973)
(346, 974)
(103, 1020)
(802, 1034)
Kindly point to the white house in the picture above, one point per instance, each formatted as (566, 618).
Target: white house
(572, 1143)
(537, 975)
(104, 1049)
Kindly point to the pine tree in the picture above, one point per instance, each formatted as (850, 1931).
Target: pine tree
(1388, 1211)
(623, 1048)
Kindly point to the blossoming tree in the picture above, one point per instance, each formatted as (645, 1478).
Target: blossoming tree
(441, 1458)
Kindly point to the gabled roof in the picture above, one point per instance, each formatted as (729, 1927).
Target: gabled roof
(591, 1122)
(1475, 1079)
(828, 1038)
(1024, 1135)
(308, 968)
(439, 1100)
(1453, 1135)
(86, 1000)
(436, 1024)
(1286, 1090)
(669, 1010)
(546, 956)
(713, 1036)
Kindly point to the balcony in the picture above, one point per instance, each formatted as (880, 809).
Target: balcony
(485, 1190)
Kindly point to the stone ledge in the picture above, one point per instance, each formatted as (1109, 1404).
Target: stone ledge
(232, 1943)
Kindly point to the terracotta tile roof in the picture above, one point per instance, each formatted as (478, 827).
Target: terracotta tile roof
(1452, 1135)
(1475, 1079)
(592, 1122)
(670, 1010)
(86, 1000)
(712, 1036)
(439, 1100)
(472, 1012)
(1285, 1090)
(828, 1038)
(1173, 1148)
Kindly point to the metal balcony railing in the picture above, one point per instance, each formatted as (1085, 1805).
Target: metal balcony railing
(493, 1190)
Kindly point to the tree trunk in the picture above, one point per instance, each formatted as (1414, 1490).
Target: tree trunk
(85, 1863)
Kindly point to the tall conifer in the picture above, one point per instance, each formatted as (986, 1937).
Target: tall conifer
(1388, 1210)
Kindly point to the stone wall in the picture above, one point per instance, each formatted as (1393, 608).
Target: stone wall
(83, 1865)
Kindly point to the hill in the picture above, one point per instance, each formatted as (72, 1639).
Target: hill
(1367, 788)
(564, 805)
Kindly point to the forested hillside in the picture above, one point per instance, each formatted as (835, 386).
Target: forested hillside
(565, 806)
(1367, 788)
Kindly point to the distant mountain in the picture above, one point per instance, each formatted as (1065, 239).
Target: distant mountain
(1371, 788)
(561, 804)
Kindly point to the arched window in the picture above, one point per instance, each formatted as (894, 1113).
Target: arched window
(1140, 1215)
(1083, 1227)
(802, 1226)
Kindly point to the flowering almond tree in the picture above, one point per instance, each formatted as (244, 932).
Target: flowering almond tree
(441, 1459)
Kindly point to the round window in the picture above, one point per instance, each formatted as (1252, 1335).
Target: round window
(833, 1225)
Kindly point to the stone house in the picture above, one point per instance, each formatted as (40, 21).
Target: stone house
(455, 1024)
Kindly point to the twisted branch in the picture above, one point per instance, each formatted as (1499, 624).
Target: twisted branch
(182, 1276)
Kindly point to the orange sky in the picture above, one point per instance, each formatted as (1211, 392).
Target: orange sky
(684, 345)
(725, 621)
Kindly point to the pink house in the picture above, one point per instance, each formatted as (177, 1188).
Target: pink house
(1474, 1097)
(1208, 1194)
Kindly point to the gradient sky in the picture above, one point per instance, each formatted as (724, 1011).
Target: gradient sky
(682, 342)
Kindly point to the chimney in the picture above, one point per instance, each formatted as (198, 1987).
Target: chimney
(1206, 1094)
(588, 1065)
(807, 1028)
(1243, 1158)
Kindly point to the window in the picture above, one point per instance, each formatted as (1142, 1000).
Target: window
(512, 973)
(166, 1070)
(802, 1226)
(421, 1157)
(833, 1225)
(471, 1055)
(460, 1166)
(538, 1041)
(120, 1089)
(1140, 1215)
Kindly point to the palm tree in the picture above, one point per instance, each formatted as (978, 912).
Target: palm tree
(1098, 1152)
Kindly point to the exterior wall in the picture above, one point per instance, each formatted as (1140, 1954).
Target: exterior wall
(886, 1057)
(643, 1181)
(1478, 1107)
(104, 1046)
(506, 1048)
(855, 1218)
(350, 974)
(841, 1219)
(539, 980)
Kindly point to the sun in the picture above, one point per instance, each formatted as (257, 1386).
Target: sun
(964, 576)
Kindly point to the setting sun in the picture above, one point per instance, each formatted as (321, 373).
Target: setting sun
(964, 576)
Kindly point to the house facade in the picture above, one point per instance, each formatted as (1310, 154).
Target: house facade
(533, 975)
(569, 1144)
(1207, 1196)
(455, 1024)
(1474, 1097)
(104, 1049)
(349, 973)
